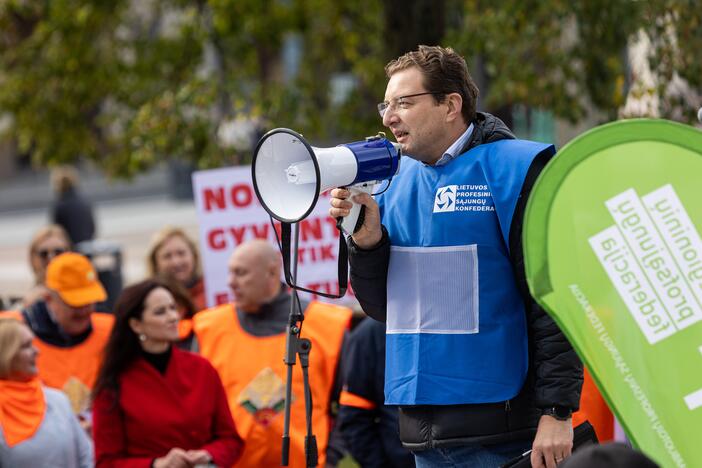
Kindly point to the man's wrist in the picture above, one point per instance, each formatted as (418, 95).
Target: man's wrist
(561, 413)
(373, 245)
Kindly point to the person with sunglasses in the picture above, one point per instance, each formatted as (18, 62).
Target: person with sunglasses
(46, 244)
(69, 334)
(479, 371)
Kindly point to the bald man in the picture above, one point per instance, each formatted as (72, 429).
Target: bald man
(245, 341)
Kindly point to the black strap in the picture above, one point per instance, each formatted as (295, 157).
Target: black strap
(343, 265)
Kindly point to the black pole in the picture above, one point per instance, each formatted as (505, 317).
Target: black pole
(295, 345)
(291, 345)
(310, 439)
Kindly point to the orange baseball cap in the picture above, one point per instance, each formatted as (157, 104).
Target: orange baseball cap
(73, 277)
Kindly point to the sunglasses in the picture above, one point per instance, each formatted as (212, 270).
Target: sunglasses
(46, 254)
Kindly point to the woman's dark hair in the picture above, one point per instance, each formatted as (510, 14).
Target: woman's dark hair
(123, 346)
(180, 295)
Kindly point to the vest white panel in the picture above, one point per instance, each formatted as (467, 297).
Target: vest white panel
(433, 290)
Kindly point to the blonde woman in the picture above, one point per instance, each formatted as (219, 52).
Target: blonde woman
(174, 256)
(37, 425)
(49, 242)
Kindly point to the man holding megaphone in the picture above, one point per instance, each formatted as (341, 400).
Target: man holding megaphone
(480, 372)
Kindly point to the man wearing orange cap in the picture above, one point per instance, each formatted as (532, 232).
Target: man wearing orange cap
(69, 334)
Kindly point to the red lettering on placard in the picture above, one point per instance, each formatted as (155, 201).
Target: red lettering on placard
(313, 287)
(221, 238)
(241, 195)
(327, 253)
(260, 231)
(216, 196)
(221, 298)
(238, 233)
(216, 239)
(331, 222)
(320, 253)
(301, 255)
(328, 287)
(325, 287)
(311, 228)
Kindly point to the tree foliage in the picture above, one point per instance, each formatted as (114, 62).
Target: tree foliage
(567, 56)
(129, 83)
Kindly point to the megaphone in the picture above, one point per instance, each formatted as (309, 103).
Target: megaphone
(289, 174)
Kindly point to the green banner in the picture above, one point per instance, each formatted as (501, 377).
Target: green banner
(613, 253)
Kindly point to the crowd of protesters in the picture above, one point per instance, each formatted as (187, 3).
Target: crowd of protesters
(161, 380)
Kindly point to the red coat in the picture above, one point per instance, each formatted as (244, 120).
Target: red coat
(185, 408)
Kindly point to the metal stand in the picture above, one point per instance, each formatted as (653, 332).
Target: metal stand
(294, 345)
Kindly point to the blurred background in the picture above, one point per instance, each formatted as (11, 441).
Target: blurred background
(136, 94)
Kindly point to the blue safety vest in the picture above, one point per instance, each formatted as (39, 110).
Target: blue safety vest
(456, 327)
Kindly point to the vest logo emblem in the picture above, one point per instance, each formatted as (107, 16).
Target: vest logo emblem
(264, 397)
(78, 394)
(445, 199)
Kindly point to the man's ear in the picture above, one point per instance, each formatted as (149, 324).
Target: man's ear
(454, 102)
(135, 325)
(274, 269)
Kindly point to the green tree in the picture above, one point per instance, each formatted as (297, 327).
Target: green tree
(128, 84)
(56, 66)
(563, 55)
(674, 28)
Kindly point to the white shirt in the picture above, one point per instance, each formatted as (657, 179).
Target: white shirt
(457, 146)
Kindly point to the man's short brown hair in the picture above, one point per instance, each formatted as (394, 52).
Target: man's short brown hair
(444, 72)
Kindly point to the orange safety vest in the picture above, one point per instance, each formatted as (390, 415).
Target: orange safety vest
(254, 375)
(73, 369)
(594, 409)
(185, 328)
(356, 401)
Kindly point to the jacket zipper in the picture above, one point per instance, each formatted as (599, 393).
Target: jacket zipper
(508, 409)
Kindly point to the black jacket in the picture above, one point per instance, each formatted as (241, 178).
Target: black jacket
(75, 214)
(555, 372)
(371, 434)
(44, 327)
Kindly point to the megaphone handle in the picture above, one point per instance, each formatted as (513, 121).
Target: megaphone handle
(354, 220)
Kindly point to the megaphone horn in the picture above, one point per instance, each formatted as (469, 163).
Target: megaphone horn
(289, 174)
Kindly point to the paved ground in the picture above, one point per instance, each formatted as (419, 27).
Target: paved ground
(128, 223)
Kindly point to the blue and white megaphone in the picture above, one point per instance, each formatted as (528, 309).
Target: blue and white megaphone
(289, 174)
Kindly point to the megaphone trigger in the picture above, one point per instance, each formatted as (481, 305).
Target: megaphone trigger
(354, 220)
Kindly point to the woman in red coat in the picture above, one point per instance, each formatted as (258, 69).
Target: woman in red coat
(155, 405)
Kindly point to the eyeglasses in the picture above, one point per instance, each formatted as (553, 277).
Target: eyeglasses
(394, 103)
(46, 254)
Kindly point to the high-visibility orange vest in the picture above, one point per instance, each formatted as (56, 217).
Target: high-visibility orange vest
(73, 369)
(254, 375)
(15, 314)
(357, 401)
(594, 409)
(185, 328)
